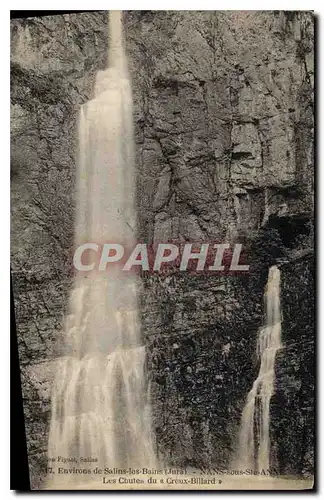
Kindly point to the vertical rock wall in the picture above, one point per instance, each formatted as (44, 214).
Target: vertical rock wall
(224, 132)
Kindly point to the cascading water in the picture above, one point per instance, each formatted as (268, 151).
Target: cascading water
(100, 402)
(254, 436)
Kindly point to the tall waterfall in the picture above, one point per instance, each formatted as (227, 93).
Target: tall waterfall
(254, 439)
(100, 401)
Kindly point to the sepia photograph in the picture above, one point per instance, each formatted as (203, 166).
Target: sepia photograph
(162, 248)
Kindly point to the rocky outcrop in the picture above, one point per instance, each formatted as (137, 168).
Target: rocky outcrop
(223, 112)
(293, 406)
(221, 101)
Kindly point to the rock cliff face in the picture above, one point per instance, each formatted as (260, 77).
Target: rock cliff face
(224, 133)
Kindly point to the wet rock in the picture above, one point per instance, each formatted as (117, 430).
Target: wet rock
(223, 112)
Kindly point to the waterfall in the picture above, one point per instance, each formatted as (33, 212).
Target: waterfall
(100, 400)
(254, 438)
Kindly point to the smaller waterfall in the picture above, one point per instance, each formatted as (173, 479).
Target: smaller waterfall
(254, 439)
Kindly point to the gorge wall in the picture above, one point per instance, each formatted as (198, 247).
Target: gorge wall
(224, 132)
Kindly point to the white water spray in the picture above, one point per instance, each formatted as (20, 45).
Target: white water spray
(100, 403)
(254, 436)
